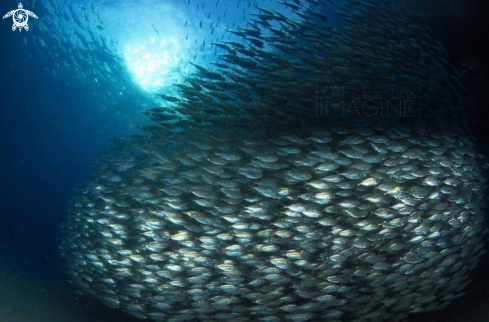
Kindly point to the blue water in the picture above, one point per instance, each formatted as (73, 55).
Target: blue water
(67, 89)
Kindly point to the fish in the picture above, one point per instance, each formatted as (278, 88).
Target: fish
(169, 98)
(246, 200)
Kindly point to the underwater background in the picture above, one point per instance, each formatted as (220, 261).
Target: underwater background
(83, 74)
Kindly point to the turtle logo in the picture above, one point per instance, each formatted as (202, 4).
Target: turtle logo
(20, 17)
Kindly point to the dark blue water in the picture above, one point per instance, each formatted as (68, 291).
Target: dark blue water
(54, 128)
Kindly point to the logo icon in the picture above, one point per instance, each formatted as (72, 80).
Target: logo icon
(20, 17)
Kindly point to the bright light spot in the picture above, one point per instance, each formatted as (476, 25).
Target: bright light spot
(154, 63)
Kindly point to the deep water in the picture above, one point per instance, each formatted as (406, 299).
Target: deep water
(53, 129)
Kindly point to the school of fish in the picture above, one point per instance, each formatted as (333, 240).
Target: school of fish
(257, 197)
